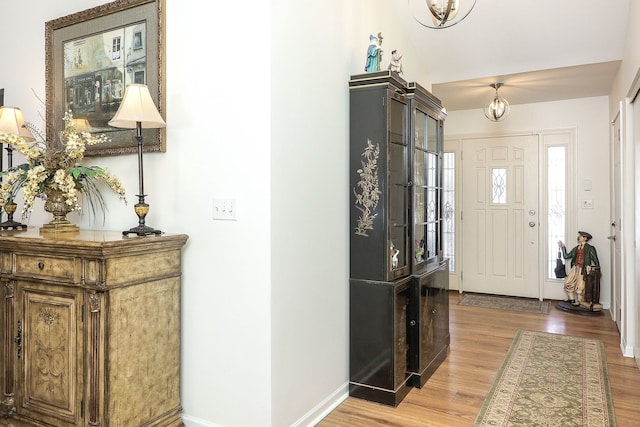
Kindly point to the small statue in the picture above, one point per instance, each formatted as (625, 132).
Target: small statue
(396, 62)
(393, 252)
(374, 53)
(420, 250)
(584, 259)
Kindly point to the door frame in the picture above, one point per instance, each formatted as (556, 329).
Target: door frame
(616, 219)
(453, 143)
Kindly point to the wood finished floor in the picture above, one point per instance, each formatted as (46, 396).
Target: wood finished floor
(480, 338)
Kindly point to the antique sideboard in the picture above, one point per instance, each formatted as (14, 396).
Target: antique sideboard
(90, 329)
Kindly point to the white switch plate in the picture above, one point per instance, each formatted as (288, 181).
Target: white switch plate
(224, 209)
(587, 204)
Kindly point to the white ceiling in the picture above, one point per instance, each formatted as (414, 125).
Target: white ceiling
(541, 50)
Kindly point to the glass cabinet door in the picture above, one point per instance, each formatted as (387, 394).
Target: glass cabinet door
(427, 182)
(398, 228)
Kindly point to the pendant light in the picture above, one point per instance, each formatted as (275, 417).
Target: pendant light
(439, 14)
(498, 108)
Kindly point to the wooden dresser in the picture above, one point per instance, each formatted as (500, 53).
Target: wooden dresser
(90, 329)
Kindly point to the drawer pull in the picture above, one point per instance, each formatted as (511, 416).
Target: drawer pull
(41, 265)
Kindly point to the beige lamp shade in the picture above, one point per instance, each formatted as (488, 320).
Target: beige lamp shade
(137, 106)
(12, 122)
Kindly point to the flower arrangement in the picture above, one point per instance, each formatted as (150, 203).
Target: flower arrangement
(57, 168)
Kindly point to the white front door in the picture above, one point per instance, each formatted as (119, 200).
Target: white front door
(500, 218)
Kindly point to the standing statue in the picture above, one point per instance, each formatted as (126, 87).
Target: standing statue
(396, 62)
(584, 259)
(374, 53)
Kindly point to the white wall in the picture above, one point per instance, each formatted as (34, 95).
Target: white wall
(257, 110)
(588, 117)
(317, 45)
(260, 116)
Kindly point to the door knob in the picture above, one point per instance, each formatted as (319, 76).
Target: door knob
(532, 224)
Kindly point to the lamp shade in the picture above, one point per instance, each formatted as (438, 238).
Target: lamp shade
(12, 122)
(137, 106)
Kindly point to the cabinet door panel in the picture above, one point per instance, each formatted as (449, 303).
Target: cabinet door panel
(47, 361)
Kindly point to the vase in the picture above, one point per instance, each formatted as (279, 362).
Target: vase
(56, 205)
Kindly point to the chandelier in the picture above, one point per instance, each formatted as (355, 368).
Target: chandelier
(498, 108)
(440, 14)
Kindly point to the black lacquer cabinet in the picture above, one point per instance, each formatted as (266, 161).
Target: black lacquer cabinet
(399, 324)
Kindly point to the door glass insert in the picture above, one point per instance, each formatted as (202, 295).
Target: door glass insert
(557, 203)
(449, 208)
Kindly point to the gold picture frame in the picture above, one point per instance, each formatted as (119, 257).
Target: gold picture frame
(90, 58)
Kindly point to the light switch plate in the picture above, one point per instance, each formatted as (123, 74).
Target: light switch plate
(224, 209)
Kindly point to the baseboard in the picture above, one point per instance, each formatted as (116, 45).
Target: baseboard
(311, 418)
(627, 351)
(196, 422)
(322, 409)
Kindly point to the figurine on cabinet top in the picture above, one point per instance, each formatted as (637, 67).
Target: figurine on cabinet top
(396, 62)
(584, 258)
(374, 53)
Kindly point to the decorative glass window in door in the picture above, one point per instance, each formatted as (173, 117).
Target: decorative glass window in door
(499, 186)
(557, 203)
(449, 208)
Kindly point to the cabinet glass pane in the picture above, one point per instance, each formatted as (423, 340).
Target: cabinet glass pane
(397, 111)
(420, 129)
(397, 184)
(432, 170)
(432, 239)
(419, 168)
(420, 243)
(397, 247)
(432, 205)
(433, 218)
(432, 135)
(420, 218)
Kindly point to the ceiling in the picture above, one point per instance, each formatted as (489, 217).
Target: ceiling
(541, 50)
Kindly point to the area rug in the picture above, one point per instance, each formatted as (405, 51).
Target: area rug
(550, 380)
(505, 303)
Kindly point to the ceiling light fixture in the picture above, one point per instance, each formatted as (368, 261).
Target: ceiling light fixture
(498, 108)
(440, 14)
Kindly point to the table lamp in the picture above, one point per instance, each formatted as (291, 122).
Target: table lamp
(12, 122)
(138, 111)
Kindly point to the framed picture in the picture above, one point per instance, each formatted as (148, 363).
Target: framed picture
(91, 56)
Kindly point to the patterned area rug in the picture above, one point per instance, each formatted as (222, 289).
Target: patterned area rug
(550, 380)
(505, 303)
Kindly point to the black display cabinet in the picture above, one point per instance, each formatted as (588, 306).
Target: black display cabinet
(399, 330)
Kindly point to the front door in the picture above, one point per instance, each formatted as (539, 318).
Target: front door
(500, 218)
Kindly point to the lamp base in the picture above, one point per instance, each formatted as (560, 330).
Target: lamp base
(12, 225)
(142, 230)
